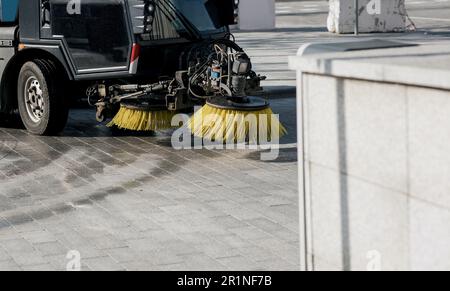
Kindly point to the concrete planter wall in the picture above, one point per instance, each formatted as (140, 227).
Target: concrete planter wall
(374, 162)
(256, 14)
(374, 16)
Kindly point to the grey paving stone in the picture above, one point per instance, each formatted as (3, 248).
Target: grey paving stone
(233, 241)
(139, 265)
(145, 224)
(239, 263)
(9, 233)
(51, 248)
(178, 247)
(197, 238)
(244, 213)
(125, 254)
(286, 251)
(228, 222)
(223, 205)
(127, 233)
(28, 258)
(177, 210)
(39, 236)
(178, 227)
(18, 245)
(4, 255)
(107, 242)
(58, 262)
(163, 257)
(250, 233)
(277, 264)
(199, 262)
(172, 267)
(88, 251)
(144, 245)
(209, 229)
(275, 201)
(103, 264)
(218, 250)
(255, 192)
(39, 268)
(161, 235)
(287, 235)
(41, 214)
(9, 265)
(19, 219)
(265, 224)
(89, 232)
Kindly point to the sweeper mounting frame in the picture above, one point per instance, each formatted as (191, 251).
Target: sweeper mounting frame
(163, 53)
(218, 74)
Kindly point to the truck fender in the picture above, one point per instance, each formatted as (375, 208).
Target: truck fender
(8, 85)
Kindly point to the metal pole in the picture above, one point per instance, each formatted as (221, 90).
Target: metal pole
(356, 17)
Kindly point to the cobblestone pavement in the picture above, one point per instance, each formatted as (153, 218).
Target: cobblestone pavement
(133, 203)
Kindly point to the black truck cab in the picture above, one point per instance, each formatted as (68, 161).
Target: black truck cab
(44, 44)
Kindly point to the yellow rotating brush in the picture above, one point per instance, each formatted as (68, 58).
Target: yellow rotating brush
(227, 121)
(142, 117)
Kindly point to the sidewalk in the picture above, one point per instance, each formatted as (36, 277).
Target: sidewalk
(132, 202)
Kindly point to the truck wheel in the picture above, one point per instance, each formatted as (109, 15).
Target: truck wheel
(42, 106)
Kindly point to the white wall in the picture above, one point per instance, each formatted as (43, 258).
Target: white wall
(378, 174)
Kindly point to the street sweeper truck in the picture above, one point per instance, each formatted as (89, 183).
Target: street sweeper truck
(139, 62)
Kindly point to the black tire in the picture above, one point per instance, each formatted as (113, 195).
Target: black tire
(45, 113)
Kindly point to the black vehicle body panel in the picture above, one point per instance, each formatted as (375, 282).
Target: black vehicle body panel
(7, 54)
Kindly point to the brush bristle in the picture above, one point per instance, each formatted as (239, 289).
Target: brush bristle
(140, 120)
(224, 125)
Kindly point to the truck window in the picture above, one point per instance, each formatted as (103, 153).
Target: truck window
(168, 25)
(8, 10)
(96, 34)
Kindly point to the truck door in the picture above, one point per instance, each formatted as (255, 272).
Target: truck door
(96, 32)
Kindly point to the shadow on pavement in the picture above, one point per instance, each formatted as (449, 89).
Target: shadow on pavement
(10, 121)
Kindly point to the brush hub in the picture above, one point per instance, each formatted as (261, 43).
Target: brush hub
(249, 103)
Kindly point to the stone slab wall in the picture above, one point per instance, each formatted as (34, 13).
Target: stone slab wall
(377, 174)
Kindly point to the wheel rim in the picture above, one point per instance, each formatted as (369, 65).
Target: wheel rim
(34, 100)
